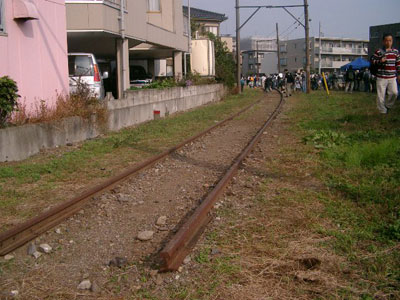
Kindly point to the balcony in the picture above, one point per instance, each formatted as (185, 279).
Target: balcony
(333, 64)
(342, 51)
(111, 3)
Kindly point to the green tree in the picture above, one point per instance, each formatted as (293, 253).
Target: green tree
(225, 66)
(8, 99)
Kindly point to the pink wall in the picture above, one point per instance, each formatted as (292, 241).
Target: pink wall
(34, 52)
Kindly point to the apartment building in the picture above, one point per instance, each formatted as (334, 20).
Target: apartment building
(119, 32)
(259, 55)
(335, 52)
(33, 49)
(376, 34)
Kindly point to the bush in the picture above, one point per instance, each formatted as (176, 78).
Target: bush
(225, 66)
(8, 99)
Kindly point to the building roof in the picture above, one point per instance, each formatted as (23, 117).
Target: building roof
(201, 14)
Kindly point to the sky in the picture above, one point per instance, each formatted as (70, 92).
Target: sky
(339, 18)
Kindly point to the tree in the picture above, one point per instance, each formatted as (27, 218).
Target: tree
(225, 66)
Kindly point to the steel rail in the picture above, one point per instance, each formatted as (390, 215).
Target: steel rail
(32, 228)
(180, 245)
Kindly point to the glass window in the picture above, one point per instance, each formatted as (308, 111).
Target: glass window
(80, 65)
(283, 61)
(154, 5)
(2, 19)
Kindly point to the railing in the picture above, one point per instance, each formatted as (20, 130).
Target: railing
(342, 50)
(113, 3)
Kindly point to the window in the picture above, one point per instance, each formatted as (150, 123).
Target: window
(261, 55)
(283, 61)
(295, 59)
(80, 65)
(2, 18)
(211, 29)
(154, 5)
(251, 67)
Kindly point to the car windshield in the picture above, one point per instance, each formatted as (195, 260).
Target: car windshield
(80, 65)
(138, 73)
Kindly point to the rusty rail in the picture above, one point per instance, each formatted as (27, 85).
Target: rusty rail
(178, 248)
(29, 230)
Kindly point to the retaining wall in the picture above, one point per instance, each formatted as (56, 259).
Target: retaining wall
(18, 143)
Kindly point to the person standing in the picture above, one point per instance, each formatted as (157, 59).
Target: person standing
(367, 79)
(388, 68)
(350, 77)
(289, 83)
(242, 82)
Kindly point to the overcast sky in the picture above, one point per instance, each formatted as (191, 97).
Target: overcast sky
(339, 18)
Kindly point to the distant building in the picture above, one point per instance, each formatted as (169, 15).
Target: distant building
(376, 34)
(207, 21)
(202, 58)
(335, 52)
(259, 55)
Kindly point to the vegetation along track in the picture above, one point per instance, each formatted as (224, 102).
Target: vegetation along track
(29, 230)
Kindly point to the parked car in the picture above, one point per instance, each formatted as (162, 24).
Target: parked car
(83, 68)
(139, 77)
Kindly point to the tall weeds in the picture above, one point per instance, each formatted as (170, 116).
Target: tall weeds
(80, 103)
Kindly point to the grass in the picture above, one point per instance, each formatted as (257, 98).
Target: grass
(359, 155)
(353, 217)
(25, 186)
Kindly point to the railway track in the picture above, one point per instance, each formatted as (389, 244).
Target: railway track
(174, 252)
(180, 245)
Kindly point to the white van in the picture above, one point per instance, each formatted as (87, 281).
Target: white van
(83, 68)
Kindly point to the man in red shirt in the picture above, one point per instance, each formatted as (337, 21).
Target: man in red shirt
(388, 60)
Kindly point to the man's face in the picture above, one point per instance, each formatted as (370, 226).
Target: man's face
(388, 42)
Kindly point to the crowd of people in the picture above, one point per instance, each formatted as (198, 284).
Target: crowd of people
(382, 78)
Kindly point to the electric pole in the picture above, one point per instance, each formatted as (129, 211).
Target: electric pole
(278, 50)
(258, 62)
(238, 45)
(307, 28)
(320, 50)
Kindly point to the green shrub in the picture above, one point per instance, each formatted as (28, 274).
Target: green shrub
(225, 66)
(8, 99)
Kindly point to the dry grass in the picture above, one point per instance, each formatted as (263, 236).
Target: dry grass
(80, 103)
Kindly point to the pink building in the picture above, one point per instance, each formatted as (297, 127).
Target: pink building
(33, 48)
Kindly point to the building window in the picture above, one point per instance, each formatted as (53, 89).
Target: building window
(251, 67)
(2, 18)
(304, 60)
(261, 55)
(154, 5)
(283, 61)
(295, 59)
(211, 29)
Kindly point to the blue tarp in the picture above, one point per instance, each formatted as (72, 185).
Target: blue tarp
(357, 64)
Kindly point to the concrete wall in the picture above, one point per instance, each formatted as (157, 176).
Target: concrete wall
(18, 143)
(34, 52)
(140, 105)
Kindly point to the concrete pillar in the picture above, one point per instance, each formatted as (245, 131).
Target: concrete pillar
(151, 67)
(122, 66)
(178, 65)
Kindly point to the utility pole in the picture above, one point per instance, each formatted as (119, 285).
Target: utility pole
(320, 50)
(278, 50)
(238, 45)
(258, 62)
(307, 28)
